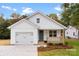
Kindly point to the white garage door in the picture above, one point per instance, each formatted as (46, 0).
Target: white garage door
(24, 38)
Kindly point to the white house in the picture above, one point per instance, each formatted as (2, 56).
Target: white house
(36, 28)
(72, 32)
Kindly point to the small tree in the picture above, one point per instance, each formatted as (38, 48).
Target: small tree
(4, 32)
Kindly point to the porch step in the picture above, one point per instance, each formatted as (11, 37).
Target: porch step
(42, 44)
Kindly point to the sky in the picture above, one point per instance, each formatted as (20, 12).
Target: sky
(28, 8)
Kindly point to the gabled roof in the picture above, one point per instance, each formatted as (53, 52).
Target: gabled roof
(47, 18)
(35, 24)
(72, 27)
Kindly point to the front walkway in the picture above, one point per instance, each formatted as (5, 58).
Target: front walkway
(18, 50)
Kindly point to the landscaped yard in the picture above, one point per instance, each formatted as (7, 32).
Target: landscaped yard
(56, 52)
(63, 52)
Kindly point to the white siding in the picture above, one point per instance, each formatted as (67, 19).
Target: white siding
(46, 34)
(24, 27)
(45, 23)
(58, 33)
(14, 31)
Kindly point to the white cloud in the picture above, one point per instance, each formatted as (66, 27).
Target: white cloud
(14, 9)
(27, 10)
(58, 8)
(8, 8)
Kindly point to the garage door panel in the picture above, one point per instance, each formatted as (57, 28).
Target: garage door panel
(24, 38)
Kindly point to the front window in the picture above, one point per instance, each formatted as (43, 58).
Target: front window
(52, 33)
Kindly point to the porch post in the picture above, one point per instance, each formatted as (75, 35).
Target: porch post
(63, 35)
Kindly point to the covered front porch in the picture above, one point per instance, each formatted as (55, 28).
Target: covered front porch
(51, 36)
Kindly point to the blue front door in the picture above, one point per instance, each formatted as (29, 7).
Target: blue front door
(41, 35)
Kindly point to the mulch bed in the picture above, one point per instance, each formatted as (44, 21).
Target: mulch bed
(52, 47)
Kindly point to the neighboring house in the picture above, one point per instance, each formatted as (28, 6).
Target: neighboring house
(72, 32)
(37, 28)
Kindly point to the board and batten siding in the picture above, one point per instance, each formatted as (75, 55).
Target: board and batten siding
(46, 34)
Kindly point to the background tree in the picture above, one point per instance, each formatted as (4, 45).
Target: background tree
(65, 14)
(4, 32)
(1, 19)
(70, 14)
(53, 16)
(15, 15)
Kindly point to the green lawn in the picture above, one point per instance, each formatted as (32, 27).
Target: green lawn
(64, 52)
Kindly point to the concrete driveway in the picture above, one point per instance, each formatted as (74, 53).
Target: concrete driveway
(18, 50)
